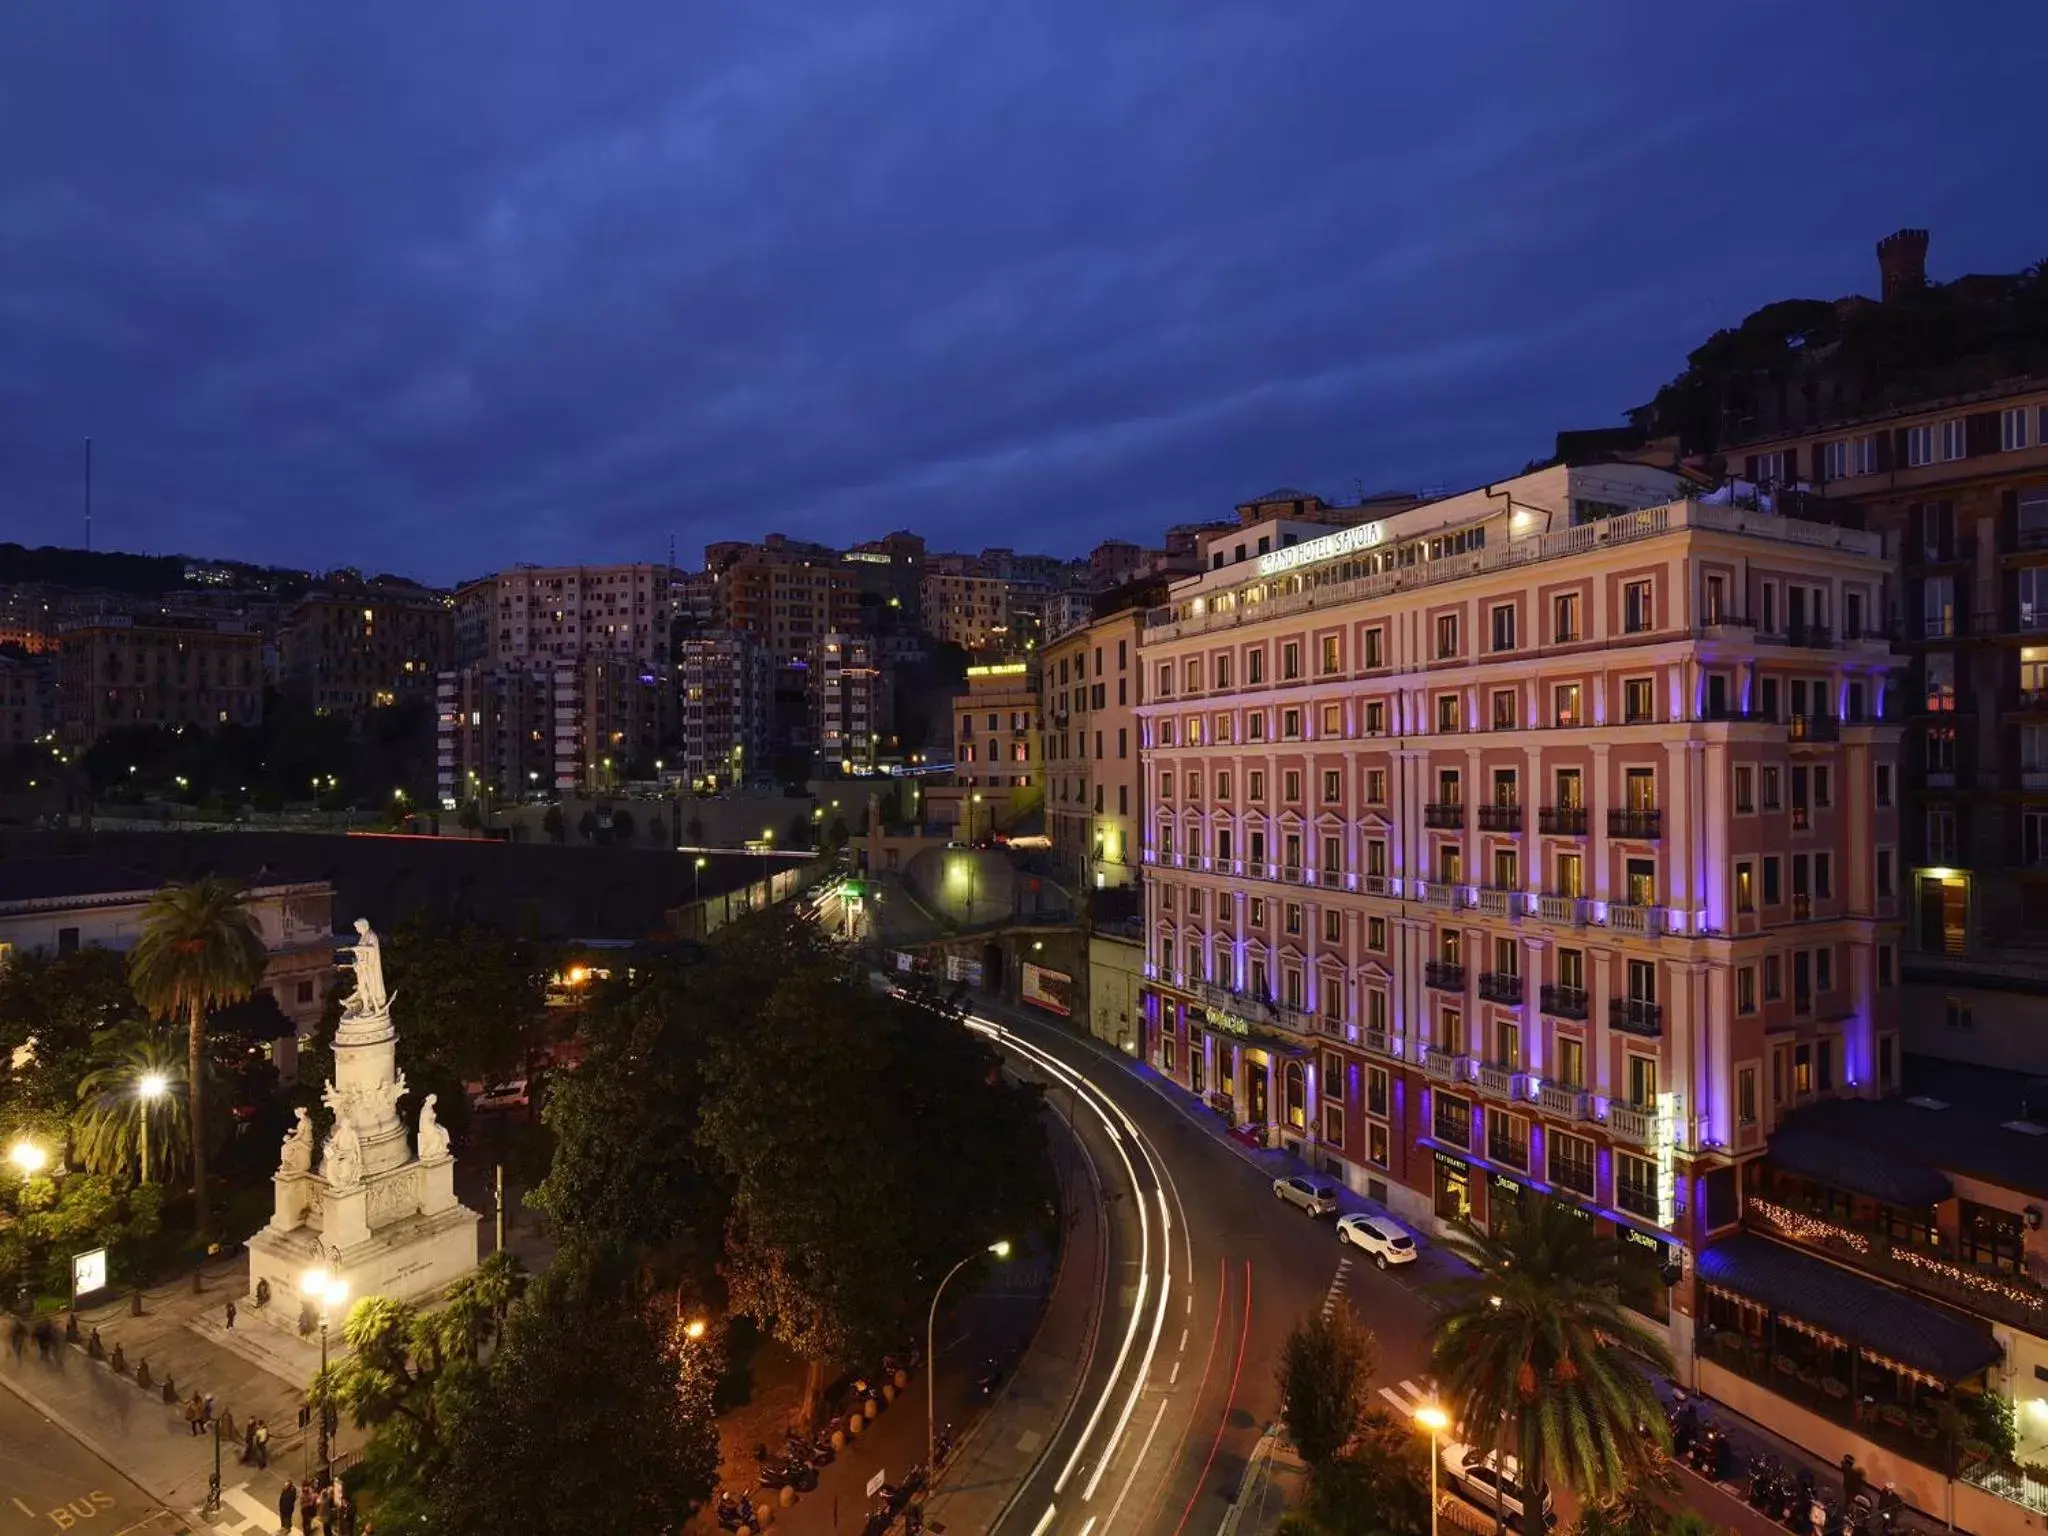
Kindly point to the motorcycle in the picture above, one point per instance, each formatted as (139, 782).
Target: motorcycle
(990, 1378)
(942, 1444)
(735, 1511)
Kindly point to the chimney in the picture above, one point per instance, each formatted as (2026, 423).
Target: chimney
(1902, 263)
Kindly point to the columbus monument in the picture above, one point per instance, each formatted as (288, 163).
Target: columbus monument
(368, 1206)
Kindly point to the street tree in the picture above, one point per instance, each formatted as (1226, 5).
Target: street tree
(1325, 1374)
(199, 950)
(1535, 1352)
(51, 1010)
(828, 1114)
(107, 1130)
(1379, 1486)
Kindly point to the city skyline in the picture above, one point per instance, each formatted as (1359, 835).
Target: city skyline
(516, 295)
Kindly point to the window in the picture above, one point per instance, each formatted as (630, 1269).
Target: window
(1290, 786)
(1774, 978)
(1504, 627)
(1802, 1071)
(1834, 460)
(1290, 724)
(1642, 1081)
(1376, 1144)
(1331, 657)
(1745, 989)
(1333, 927)
(1887, 876)
(1564, 618)
(1292, 917)
(1571, 1162)
(1824, 1064)
(1375, 786)
(1258, 917)
(1571, 876)
(1447, 712)
(1375, 648)
(1745, 887)
(1165, 679)
(1638, 614)
(1638, 702)
(1823, 876)
(1954, 440)
(1255, 667)
(1333, 786)
(1255, 783)
(1571, 973)
(1290, 661)
(1222, 783)
(1222, 670)
(1503, 709)
(1564, 700)
(1772, 864)
(1772, 789)
(2012, 429)
(1745, 788)
(1919, 446)
(1446, 635)
(1884, 784)
(1745, 1095)
(1333, 720)
(1376, 934)
(1376, 718)
(1255, 725)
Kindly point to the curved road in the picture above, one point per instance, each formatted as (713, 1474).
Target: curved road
(1209, 1272)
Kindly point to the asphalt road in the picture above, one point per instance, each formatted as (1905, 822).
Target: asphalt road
(50, 1483)
(1210, 1274)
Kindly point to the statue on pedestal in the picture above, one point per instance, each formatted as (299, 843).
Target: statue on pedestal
(342, 1167)
(366, 959)
(298, 1147)
(433, 1138)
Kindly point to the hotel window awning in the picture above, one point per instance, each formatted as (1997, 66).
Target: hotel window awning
(1886, 1325)
(1860, 1170)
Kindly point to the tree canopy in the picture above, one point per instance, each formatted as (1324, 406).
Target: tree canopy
(1325, 1374)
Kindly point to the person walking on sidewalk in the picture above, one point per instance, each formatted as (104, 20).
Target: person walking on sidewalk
(249, 1443)
(17, 1339)
(306, 1502)
(195, 1411)
(262, 1444)
(285, 1503)
(46, 1338)
(206, 1413)
(231, 1317)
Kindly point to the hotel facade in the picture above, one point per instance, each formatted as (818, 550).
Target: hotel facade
(1540, 838)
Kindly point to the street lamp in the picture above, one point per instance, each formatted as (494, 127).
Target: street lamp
(1001, 1249)
(330, 1291)
(1436, 1421)
(28, 1157)
(693, 1330)
(697, 876)
(149, 1090)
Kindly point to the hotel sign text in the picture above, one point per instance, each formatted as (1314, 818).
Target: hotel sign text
(1344, 541)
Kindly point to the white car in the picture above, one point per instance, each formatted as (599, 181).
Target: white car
(1385, 1240)
(508, 1095)
(1490, 1482)
(1312, 1195)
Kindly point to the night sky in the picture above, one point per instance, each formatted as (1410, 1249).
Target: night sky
(440, 286)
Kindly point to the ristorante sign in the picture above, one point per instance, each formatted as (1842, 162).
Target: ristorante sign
(1344, 541)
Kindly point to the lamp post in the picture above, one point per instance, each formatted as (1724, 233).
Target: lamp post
(28, 1157)
(329, 1291)
(149, 1090)
(1001, 1249)
(1436, 1421)
(697, 876)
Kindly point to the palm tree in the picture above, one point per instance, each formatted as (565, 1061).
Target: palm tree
(108, 1128)
(1535, 1354)
(199, 951)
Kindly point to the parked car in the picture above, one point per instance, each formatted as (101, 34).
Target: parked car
(1490, 1482)
(511, 1094)
(1385, 1239)
(1312, 1195)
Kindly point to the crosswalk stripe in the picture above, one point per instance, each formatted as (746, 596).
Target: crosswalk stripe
(1412, 1394)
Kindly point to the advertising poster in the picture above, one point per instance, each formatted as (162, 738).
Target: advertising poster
(1051, 990)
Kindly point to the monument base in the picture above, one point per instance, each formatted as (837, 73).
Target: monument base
(412, 1258)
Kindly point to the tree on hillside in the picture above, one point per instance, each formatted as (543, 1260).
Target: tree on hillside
(199, 950)
(1537, 1344)
(1325, 1374)
(834, 1082)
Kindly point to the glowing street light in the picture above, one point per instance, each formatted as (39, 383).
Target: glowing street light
(1436, 1421)
(152, 1087)
(28, 1157)
(330, 1291)
(693, 1330)
(1001, 1249)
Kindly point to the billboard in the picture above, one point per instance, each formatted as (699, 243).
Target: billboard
(960, 968)
(1051, 990)
(88, 1272)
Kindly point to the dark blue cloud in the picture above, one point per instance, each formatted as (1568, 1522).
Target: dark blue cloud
(438, 287)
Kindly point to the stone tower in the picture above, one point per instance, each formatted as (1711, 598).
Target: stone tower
(375, 1211)
(1902, 263)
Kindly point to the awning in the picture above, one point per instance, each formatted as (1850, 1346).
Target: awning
(1885, 1324)
(1860, 1170)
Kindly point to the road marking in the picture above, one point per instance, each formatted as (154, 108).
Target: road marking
(1137, 1462)
(1229, 1402)
(1412, 1395)
(1089, 1526)
(1045, 1520)
(1183, 1339)
(1336, 1290)
(1173, 1376)
(24, 1509)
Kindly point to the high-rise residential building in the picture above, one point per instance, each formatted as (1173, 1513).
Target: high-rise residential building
(968, 610)
(787, 593)
(1094, 790)
(1064, 611)
(28, 698)
(549, 613)
(495, 737)
(1958, 489)
(998, 747)
(612, 719)
(117, 673)
(1502, 845)
(725, 696)
(850, 698)
(344, 652)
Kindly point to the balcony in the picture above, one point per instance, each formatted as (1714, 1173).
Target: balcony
(1625, 1122)
(1376, 885)
(1636, 1016)
(1444, 816)
(1435, 893)
(1818, 637)
(1500, 818)
(1564, 1002)
(1501, 987)
(1561, 821)
(1378, 1042)
(1445, 1066)
(1495, 901)
(1448, 975)
(1496, 1081)
(1569, 910)
(1644, 922)
(1815, 728)
(1640, 825)
(1563, 1101)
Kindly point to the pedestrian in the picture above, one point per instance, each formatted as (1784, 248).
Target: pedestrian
(328, 1522)
(195, 1410)
(249, 1443)
(262, 1444)
(17, 1338)
(305, 1412)
(306, 1509)
(285, 1503)
(231, 1317)
(343, 1520)
(206, 1414)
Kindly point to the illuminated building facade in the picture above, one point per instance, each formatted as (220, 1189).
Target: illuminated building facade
(1544, 837)
(1093, 787)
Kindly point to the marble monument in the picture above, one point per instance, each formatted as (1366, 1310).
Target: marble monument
(366, 1205)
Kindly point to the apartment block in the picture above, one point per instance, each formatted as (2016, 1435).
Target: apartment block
(1958, 490)
(495, 733)
(351, 651)
(117, 673)
(998, 751)
(28, 699)
(549, 613)
(850, 702)
(1094, 789)
(612, 717)
(786, 593)
(725, 696)
(1499, 844)
(968, 610)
